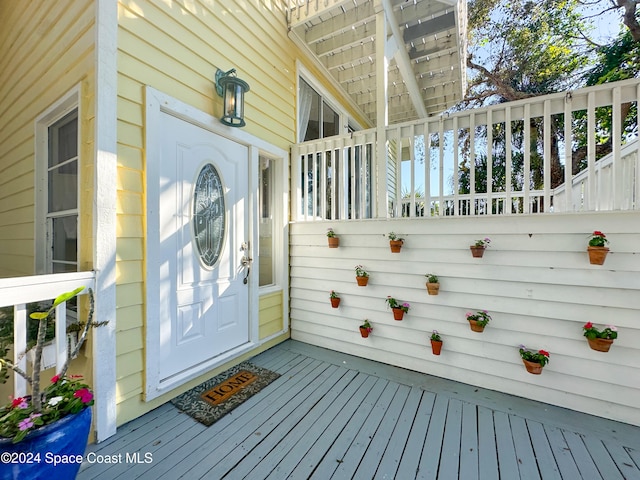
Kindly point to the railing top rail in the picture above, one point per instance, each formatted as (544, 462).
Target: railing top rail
(628, 89)
(335, 141)
(35, 288)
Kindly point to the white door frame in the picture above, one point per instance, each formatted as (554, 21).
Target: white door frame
(157, 103)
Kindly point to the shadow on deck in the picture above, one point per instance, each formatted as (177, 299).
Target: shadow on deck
(332, 415)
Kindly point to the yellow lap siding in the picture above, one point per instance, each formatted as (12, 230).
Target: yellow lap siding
(271, 318)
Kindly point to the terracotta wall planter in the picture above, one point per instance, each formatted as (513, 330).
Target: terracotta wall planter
(600, 344)
(532, 367)
(398, 313)
(475, 326)
(362, 281)
(436, 347)
(395, 245)
(334, 242)
(433, 288)
(597, 255)
(364, 332)
(477, 252)
(335, 302)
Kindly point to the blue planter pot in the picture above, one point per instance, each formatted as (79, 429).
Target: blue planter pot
(35, 457)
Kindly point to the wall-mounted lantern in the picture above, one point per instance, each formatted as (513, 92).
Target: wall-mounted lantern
(232, 90)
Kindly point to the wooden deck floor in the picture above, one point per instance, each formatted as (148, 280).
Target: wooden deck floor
(331, 415)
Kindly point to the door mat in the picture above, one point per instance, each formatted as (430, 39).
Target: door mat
(211, 400)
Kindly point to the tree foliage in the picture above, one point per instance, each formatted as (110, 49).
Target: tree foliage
(521, 49)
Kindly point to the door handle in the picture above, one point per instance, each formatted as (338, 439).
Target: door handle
(246, 263)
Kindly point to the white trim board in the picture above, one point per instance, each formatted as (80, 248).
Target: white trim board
(104, 217)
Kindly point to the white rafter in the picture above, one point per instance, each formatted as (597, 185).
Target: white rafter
(404, 63)
(423, 48)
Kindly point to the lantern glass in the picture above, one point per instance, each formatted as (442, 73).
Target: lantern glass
(232, 91)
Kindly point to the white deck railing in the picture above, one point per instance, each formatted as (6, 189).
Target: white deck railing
(19, 291)
(629, 187)
(339, 177)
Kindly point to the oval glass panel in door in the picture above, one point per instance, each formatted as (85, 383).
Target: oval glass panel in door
(209, 215)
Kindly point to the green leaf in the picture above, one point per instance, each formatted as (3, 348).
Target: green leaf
(66, 296)
(39, 315)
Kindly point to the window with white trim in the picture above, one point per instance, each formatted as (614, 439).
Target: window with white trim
(57, 199)
(267, 211)
(62, 193)
(317, 119)
(336, 183)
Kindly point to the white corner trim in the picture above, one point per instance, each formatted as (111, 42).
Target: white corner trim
(104, 217)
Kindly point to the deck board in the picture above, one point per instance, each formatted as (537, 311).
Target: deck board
(469, 442)
(311, 447)
(487, 453)
(524, 449)
(623, 461)
(544, 456)
(229, 453)
(377, 451)
(335, 416)
(349, 463)
(264, 458)
(414, 449)
(584, 462)
(602, 459)
(450, 456)
(390, 461)
(562, 452)
(334, 455)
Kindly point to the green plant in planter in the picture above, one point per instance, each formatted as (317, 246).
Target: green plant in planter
(361, 272)
(481, 317)
(65, 395)
(541, 356)
(609, 332)
(393, 236)
(431, 278)
(483, 242)
(366, 326)
(435, 336)
(393, 303)
(598, 239)
(330, 232)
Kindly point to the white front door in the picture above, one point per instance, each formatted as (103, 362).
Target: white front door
(203, 223)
